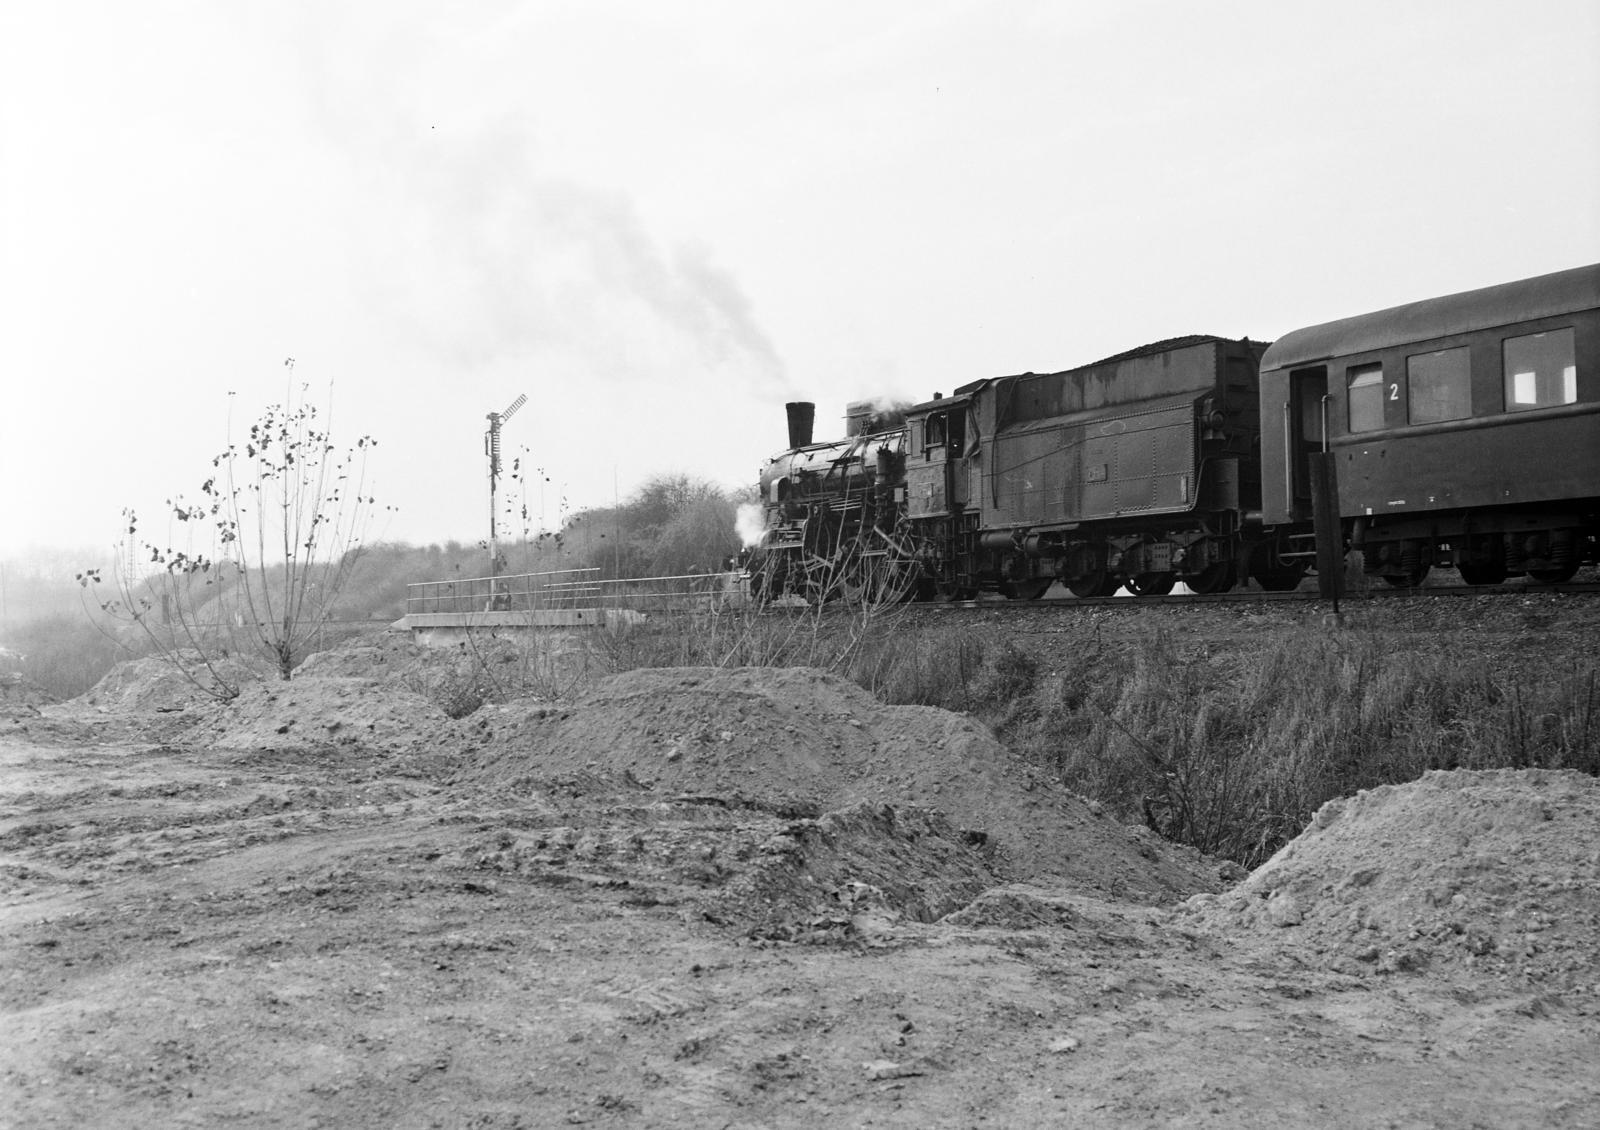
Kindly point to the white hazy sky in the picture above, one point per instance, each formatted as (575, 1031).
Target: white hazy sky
(662, 220)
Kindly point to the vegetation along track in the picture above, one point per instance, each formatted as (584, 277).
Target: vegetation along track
(1304, 596)
(1308, 597)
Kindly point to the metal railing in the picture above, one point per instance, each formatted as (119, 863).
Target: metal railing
(519, 592)
(573, 589)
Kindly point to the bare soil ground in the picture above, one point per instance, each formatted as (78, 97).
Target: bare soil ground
(754, 898)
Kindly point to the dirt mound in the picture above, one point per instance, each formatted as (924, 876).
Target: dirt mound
(846, 876)
(1490, 870)
(857, 871)
(460, 678)
(1016, 907)
(374, 654)
(801, 742)
(155, 683)
(318, 711)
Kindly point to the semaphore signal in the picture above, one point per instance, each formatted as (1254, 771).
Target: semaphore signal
(491, 448)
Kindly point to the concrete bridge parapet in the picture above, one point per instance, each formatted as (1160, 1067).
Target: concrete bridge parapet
(440, 629)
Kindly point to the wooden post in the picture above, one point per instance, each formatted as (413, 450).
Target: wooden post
(1325, 521)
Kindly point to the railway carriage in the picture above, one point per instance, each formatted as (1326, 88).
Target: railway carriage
(1465, 430)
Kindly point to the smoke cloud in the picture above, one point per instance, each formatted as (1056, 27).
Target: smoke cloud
(489, 257)
(749, 524)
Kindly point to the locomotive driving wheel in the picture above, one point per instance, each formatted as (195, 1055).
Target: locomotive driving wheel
(944, 583)
(894, 579)
(894, 572)
(818, 581)
(856, 578)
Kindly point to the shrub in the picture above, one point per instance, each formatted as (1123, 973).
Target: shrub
(257, 560)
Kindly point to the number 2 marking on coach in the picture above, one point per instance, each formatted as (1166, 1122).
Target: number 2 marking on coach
(1394, 392)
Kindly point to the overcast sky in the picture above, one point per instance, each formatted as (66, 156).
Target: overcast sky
(662, 220)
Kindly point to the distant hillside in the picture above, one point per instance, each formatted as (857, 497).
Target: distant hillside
(671, 525)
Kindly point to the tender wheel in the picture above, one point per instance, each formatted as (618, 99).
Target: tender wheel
(1093, 584)
(1151, 584)
(1213, 578)
(1482, 574)
(1031, 589)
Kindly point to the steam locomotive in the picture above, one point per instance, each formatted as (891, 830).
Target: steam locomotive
(1461, 432)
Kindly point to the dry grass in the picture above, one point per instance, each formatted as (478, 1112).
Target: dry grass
(1230, 749)
(1234, 753)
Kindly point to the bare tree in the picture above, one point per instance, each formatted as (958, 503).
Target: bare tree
(255, 564)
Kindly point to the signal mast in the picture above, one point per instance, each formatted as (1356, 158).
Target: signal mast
(491, 448)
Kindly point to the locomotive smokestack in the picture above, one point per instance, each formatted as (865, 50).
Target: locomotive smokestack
(802, 414)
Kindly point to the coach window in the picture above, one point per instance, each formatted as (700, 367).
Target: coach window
(1365, 385)
(1439, 386)
(1541, 370)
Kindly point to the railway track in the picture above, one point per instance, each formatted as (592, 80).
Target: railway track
(1575, 588)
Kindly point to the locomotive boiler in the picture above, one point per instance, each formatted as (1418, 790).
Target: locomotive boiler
(832, 511)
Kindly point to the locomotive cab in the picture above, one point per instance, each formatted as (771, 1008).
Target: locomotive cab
(941, 446)
(937, 442)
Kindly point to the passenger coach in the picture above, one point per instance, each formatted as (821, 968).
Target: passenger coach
(1465, 430)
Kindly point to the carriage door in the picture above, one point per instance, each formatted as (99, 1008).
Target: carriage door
(1307, 388)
